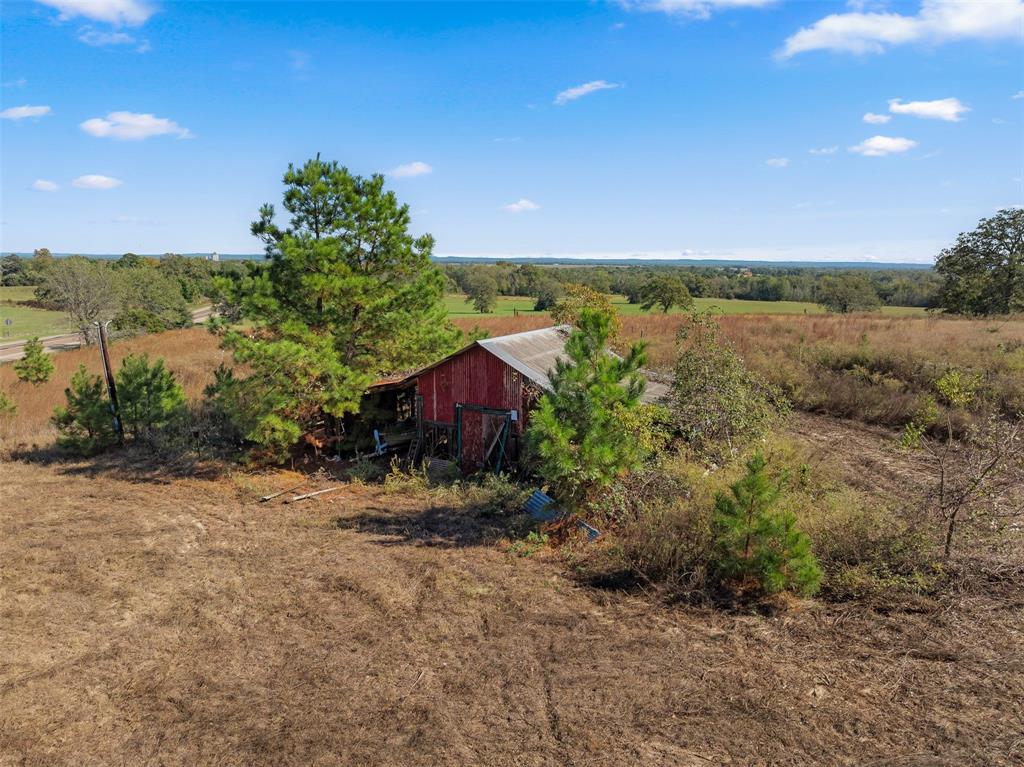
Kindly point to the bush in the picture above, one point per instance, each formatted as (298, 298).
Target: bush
(759, 549)
(7, 406)
(148, 395)
(717, 404)
(658, 527)
(85, 424)
(35, 367)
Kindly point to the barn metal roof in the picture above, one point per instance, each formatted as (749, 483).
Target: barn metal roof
(535, 352)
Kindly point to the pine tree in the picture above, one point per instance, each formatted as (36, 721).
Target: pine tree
(35, 367)
(759, 549)
(148, 395)
(85, 424)
(7, 405)
(349, 295)
(575, 434)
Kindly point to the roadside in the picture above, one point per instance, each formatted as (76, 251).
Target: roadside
(15, 350)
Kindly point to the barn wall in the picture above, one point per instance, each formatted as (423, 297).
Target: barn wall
(474, 377)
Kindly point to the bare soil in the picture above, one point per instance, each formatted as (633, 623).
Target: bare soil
(151, 620)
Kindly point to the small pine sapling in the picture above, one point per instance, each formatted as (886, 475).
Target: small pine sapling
(34, 367)
(576, 436)
(85, 424)
(759, 549)
(149, 396)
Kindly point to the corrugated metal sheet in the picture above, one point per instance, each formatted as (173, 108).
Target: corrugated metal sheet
(535, 352)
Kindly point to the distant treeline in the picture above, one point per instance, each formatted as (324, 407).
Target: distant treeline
(134, 292)
(893, 287)
(546, 283)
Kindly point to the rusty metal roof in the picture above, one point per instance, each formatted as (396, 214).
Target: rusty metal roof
(535, 352)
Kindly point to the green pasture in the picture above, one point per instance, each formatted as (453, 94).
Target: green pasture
(27, 321)
(458, 306)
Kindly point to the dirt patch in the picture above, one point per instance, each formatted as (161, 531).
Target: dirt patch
(184, 623)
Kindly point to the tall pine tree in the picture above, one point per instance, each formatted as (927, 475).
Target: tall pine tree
(348, 296)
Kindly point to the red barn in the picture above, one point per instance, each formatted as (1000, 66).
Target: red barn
(474, 405)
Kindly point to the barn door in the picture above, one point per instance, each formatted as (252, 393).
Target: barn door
(482, 437)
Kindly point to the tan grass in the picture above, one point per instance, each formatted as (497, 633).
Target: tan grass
(192, 355)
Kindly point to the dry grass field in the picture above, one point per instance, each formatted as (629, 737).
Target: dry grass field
(149, 619)
(192, 354)
(864, 367)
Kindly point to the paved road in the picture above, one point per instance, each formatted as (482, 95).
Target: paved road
(15, 350)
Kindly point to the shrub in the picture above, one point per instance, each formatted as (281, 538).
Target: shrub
(759, 549)
(7, 406)
(85, 424)
(148, 395)
(35, 367)
(717, 404)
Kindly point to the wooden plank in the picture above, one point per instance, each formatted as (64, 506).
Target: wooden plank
(314, 494)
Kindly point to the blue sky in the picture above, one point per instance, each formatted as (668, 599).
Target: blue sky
(661, 127)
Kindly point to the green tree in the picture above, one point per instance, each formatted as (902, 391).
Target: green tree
(86, 290)
(481, 290)
(148, 395)
(575, 434)
(579, 298)
(983, 272)
(85, 424)
(664, 291)
(150, 300)
(849, 293)
(548, 291)
(348, 296)
(7, 406)
(130, 261)
(35, 367)
(758, 549)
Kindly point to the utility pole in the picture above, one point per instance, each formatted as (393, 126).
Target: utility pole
(108, 373)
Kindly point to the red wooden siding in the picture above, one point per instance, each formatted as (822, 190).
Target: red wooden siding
(474, 377)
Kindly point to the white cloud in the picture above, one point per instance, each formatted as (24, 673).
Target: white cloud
(879, 146)
(824, 150)
(95, 181)
(940, 109)
(520, 206)
(876, 119)
(698, 9)
(130, 13)
(42, 185)
(411, 169)
(1015, 96)
(778, 162)
(20, 113)
(21, 82)
(571, 94)
(131, 126)
(98, 38)
(937, 21)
